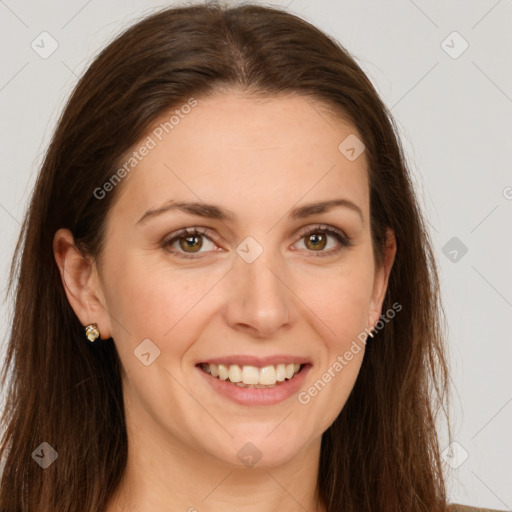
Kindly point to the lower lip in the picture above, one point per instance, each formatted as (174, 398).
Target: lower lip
(257, 396)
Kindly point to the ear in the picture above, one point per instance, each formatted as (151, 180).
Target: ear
(81, 283)
(381, 279)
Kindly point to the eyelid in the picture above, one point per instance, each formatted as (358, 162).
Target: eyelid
(188, 231)
(322, 227)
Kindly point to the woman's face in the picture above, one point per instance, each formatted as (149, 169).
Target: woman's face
(253, 290)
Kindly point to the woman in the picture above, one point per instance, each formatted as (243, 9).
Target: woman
(226, 295)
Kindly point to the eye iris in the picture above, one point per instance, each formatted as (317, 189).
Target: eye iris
(319, 241)
(189, 243)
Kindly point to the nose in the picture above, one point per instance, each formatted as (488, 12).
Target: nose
(261, 302)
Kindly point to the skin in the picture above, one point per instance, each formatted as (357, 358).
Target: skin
(258, 158)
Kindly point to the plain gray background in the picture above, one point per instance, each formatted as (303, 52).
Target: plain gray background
(453, 106)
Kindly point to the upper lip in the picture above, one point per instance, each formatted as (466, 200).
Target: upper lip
(248, 360)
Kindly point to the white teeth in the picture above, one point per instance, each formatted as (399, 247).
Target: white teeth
(252, 376)
(223, 372)
(268, 375)
(235, 373)
(280, 372)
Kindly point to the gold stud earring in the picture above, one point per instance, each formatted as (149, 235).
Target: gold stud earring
(92, 332)
(370, 334)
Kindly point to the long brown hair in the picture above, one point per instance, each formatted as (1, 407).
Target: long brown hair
(381, 453)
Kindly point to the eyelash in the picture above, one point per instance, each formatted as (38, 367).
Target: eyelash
(187, 232)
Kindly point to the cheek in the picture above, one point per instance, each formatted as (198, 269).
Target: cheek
(340, 300)
(343, 306)
(155, 302)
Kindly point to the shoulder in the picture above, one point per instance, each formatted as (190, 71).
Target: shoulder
(455, 507)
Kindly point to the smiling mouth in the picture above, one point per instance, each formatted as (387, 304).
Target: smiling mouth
(247, 376)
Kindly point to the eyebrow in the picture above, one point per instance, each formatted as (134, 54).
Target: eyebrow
(212, 211)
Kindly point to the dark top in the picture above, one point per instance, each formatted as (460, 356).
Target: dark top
(455, 507)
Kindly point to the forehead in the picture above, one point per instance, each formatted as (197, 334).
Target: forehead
(239, 150)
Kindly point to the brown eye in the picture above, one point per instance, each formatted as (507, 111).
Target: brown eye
(190, 243)
(316, 240)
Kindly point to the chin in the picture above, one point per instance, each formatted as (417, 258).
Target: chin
(261, 447)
